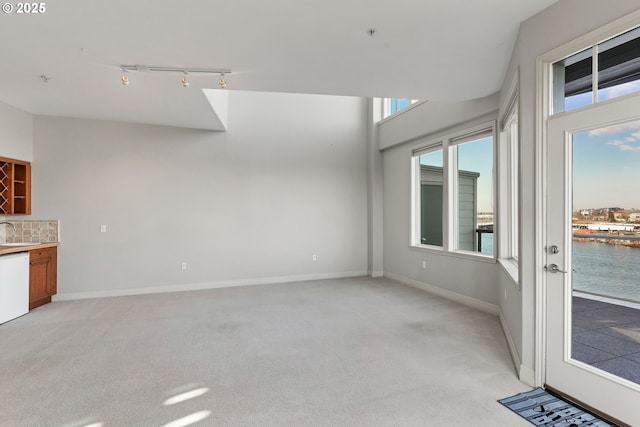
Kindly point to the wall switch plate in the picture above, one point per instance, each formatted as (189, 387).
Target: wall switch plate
(183, 266)
(315, 258)
(103, 228)
(424, 265)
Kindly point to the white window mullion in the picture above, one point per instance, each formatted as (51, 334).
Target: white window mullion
(415, 202)
(511, 194)
(450, 216)
(515, 190)
(594, 73)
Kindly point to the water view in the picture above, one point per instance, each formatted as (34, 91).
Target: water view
(607, 270)
(606, 218)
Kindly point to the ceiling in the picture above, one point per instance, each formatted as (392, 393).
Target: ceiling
(421, 49)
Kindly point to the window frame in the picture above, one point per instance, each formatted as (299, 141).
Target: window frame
(509, 187)
(387, 106)
(449, 144)
(416, 199)
(592, 51)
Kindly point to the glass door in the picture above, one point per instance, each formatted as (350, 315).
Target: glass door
(593, 257)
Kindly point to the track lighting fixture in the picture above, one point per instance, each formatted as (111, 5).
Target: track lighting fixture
(185, 80)
(125, 79)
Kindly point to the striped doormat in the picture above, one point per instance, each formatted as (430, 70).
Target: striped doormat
(541, 408)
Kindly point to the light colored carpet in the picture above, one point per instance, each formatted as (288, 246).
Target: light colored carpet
(347, 352)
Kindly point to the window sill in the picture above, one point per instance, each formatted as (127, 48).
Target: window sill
(510, 266)
(464, 255)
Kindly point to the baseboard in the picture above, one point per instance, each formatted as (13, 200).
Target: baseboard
(376, 274)
(69, 296)
(444, 293)
(525, 374)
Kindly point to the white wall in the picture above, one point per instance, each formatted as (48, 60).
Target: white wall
(431, 116)
(286, 181)
(16, 133)
(557, 25)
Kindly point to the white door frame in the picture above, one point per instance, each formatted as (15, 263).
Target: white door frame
(543, 110)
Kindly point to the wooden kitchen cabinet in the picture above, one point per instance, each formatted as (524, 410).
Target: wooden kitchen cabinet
(43, 276)
(15, 187)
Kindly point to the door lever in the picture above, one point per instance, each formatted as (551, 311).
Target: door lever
(553, 268)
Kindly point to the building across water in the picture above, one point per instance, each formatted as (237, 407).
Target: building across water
(605, 226)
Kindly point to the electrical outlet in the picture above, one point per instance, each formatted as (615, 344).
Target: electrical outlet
(183, 266)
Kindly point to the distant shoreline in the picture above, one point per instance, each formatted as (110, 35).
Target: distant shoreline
(632, 241)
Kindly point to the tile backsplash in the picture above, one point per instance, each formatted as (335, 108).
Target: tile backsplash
(30, 231)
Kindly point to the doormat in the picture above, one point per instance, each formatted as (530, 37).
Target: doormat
(541, 408)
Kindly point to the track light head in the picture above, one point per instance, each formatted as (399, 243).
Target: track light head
(125, 79)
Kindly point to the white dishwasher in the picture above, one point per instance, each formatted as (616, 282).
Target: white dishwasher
(14, 285)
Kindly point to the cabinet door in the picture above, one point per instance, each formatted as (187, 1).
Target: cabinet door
(52, 271)
(40, 273)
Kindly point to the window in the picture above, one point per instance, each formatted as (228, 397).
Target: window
(393, 105)
(606, 70)
(509, 185)
(431, 182)
(453, 190)
(474, 198)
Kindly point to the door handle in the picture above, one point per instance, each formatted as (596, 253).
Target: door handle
(553, 268)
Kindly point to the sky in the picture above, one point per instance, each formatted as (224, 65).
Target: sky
(606, 167)
(606, 161)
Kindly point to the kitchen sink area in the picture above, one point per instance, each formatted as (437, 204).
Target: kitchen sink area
(28, 265)
(28, 232)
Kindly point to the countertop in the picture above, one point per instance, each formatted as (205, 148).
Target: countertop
(13, 249)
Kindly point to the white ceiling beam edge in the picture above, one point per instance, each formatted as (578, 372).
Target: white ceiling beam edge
(219, 101)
